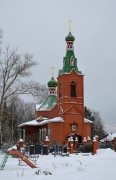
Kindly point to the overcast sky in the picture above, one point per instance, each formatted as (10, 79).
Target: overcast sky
(40, 27)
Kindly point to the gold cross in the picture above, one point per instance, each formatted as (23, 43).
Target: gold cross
(52, 71)
(69, 25)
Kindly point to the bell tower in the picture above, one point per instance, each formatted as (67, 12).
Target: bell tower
(70, 91)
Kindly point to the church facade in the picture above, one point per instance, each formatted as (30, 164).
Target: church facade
(61, 115)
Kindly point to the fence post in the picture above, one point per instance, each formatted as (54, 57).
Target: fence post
(115, 144)
(84, 141)
(71, 145)
(68, 143)
(94, 145)
(76, 143)
(46, 142)
(88, 140)
(97, 139)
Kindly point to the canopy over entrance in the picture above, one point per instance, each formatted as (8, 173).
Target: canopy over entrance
(74, 135)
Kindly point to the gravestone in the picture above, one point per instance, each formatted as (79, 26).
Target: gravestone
(65, 150)
(37, 149)
(45, 150)
(51, 150)
(32, 150)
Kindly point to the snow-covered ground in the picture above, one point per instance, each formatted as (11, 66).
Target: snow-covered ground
(101, 166)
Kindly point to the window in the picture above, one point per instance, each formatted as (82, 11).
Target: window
(72, 61)
(74, 128)
(60, 90)
(72, 89)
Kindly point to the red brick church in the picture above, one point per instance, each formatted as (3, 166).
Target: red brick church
(61, 115)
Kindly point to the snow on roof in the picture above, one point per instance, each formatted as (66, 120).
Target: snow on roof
(87, 121)
(43, 120)
(37, 106)
(40, 121)
(110, 137)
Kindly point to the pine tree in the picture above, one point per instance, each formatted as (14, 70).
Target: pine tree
(97, 126)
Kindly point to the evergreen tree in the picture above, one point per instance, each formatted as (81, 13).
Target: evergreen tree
(97, 126)
(5, 123)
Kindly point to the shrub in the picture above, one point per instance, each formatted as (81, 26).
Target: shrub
(86, 148)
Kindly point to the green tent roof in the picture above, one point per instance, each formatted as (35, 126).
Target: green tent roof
(69, 61)
(49, 103)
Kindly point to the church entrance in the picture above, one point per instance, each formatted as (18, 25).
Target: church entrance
(74, 135)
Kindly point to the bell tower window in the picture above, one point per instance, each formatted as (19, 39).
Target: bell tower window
(60, 90)
(72, 61)
(72, 89)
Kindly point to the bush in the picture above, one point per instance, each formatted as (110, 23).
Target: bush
(86, 148)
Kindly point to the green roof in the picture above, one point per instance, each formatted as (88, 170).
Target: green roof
(49, 103)
(70, 37)
(67, 67)
(69, 61)
(52, 83)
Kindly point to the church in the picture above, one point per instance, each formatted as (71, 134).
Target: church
(61, 115)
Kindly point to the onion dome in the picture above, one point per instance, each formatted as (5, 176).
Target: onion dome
(52, 83)
(70, 37)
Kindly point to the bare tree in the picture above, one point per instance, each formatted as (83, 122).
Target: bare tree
(39, 92)
(19, 112)
(14, 68)
(1, 32)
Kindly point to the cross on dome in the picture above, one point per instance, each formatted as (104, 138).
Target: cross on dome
(69, 25)
(52, 71)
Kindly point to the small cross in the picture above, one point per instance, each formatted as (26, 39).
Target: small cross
(69, 25)
(52, 71)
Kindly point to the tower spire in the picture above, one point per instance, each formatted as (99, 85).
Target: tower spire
(69, 61)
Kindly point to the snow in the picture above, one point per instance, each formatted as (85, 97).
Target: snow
(101, 166)
(37, 106)
(44, 121)
(87, 121)
(110, 137)
(12, 148)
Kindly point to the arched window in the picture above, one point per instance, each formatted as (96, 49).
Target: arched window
(72, 89)
(72, 61)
